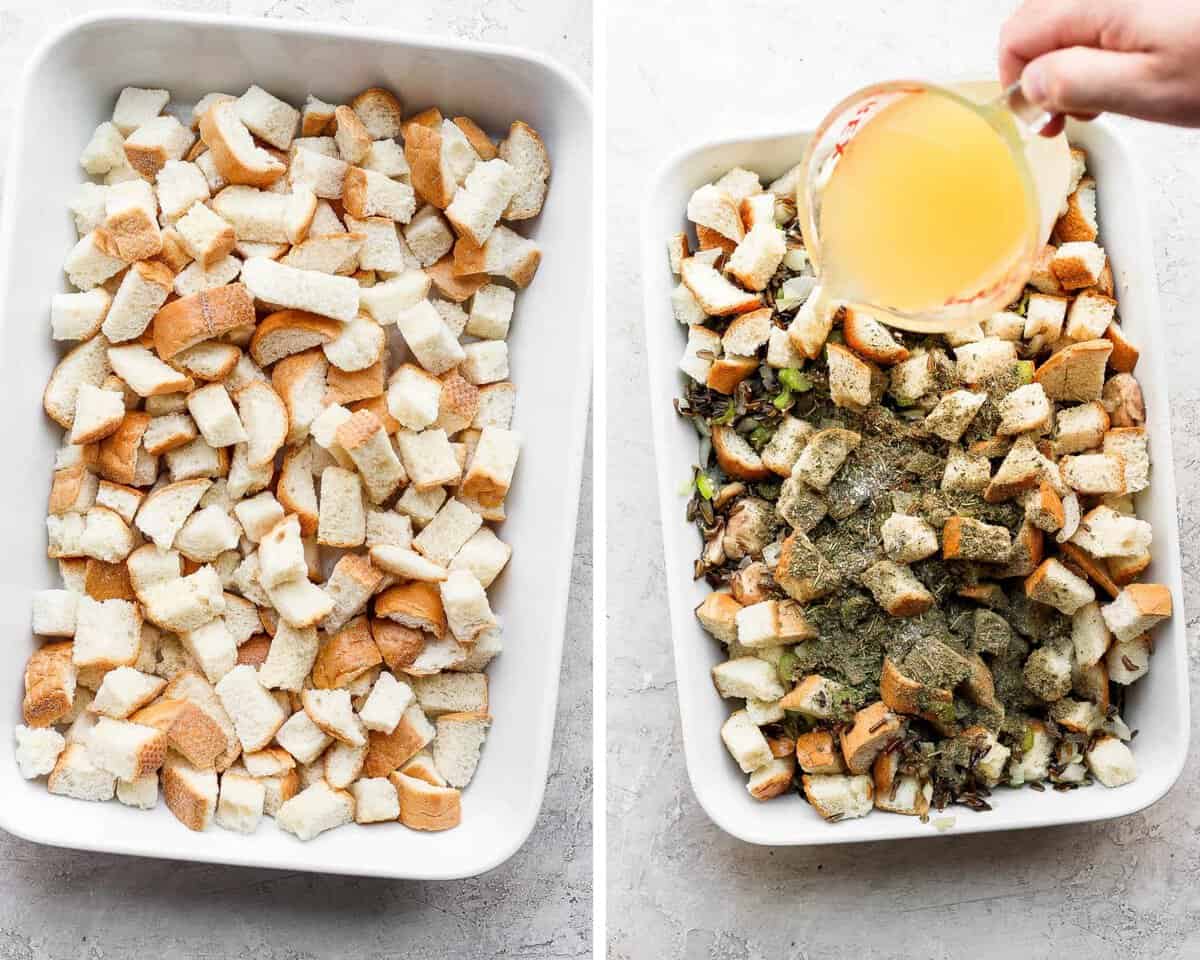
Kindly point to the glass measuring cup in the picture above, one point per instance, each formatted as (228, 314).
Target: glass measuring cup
(940, 306)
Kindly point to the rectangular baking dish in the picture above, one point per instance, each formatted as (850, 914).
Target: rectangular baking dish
(70, 85)
(1157, 705)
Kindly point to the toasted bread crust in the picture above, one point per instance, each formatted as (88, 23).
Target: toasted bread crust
(399, 645)
(423, 150)
(228, 163)
(48, 684)
(478, 139)
(416, 601)
(287, 322)
(118, 452)
(427, 807)
(190, 320)
(347, 655)
(454, 284)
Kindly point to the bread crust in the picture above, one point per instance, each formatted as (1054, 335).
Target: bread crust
(290, 321)
(49, 684)
(347, 655)
(228, 163)
(416, 601)
(202, 316)
(477, 138)
(118, 452)
(399, 645)
(452, 283)
(423, 151)
(427, 807)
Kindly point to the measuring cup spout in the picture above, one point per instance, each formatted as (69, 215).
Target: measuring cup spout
(1032, 117)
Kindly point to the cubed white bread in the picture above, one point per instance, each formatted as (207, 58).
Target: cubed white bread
(76, 775)
(190, 793)
(336, 253)
(302, 738)
(748, 677)
(388, 528)
(1056, 586)
(367, 193)
(1044, 316)
(104, 151)
(258, 515)
(324, 431)
(316, 117)
(215, 416)
(685, 307)
(148, 566)
(208, 533)
(824, 455)
(478, 205)
(451, 693)
(296, 490)
(257, 716)
(386, 703)
(703, 346)
(88, 264)
(196, 278)
(387, 157)
(491, 312)
(268, 117)
(413, 397)
(1024, 409)
(136, 105)
(184, 604)
(713, 207)
(505, 254)
(838, 797)
(207, 164)
(745, 742)
(180, 185)
(281, 554)
(54, 612)
(1111, 762)
(163, 512)
(323, 174)
(1089, 634)
(240, 804)
(1094, 473)
(810, 328)
(351, 584)
(300, 381)
(375, 800)
(265, 418)
(385, 301)
(1138, 608)
(1078, 264)
(383, 249)
(343, 764)
(359, 345)
(154, 142)
(1080, 427)
(1131, 444)
(428, 458)
(316, 809)
(141, 794)
(300, 602)
(406, 564)
(107, 633)
(235, 154)
(310, 290)
(907, 539)
(78, 316)
(98, 414)
(1090, 315)
(954, 413)
(123, 691)
(332, 711)
(145, 373)
(126, 750)
(212, 647)
(202, 105)
(206, 235)
(1103, 532)
(430, 341)
(485, 362)
(428, 236)
(449, 530)
(458, 744)
(209, 360)
(716, 295)
(420, 505)
(912, 379)
(37, 750)
(86, 204)
(342, 517)
(772, 779)
(241, 616)
(757, 256)
(484, 555)
(984, 360)
(63, 534)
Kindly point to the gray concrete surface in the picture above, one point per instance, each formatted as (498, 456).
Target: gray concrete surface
(62, 905)
(687, 70)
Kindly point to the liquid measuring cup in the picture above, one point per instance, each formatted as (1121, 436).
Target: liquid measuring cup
(912, 199)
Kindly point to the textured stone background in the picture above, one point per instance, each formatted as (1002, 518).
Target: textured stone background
(684, 71)
(60, 905)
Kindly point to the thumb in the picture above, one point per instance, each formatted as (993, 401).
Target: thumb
(1083, 80)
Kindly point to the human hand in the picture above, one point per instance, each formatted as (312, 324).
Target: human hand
(1080, 58)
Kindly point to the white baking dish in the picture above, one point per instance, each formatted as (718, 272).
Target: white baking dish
(70, 86)
(1157, 705)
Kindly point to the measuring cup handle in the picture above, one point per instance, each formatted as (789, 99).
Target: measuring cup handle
(1031, 116)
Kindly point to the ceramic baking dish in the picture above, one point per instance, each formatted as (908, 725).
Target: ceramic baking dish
(1157, 705)
(70, 85)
